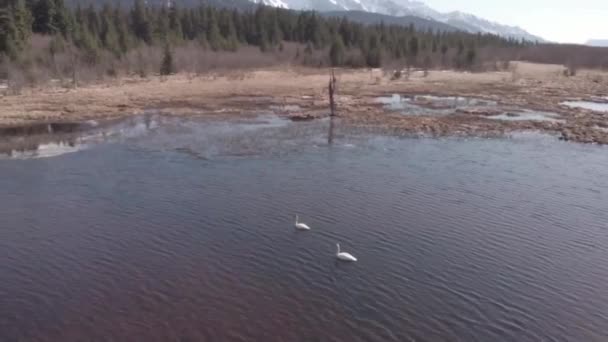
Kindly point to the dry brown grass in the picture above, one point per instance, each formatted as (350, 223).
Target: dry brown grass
(55, 61)
(245, 92)
(225, 88)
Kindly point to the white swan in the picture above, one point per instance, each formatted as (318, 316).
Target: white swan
(300, 225)
(343, 255)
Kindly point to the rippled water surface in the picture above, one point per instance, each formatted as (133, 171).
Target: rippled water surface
(185, 233)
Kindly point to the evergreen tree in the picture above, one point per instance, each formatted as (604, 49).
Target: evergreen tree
(167, 67)
(187, 23)
(214, 36)
(444, 51)
(346, 32)
(161, 25)
(401, 47)
(109, 34)
(459, 59)
(8, 33)
(45, 14)
(231, 40)
(122, 31)
(175, 25)
(264, 42)
(373, 56)
(23, 22)
(61, 18)
(93, 21)
(90, 32)
(87, 42)
(275, 35)
(470, 59)
(140, 22)
(239, 26)
(413, 47)
(337, 52)
(313, 31)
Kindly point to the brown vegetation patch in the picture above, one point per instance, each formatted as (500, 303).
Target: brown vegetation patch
(538, 87)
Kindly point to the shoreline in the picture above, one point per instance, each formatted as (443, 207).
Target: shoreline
(302, 92)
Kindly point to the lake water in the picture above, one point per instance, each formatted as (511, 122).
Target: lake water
(184, 232)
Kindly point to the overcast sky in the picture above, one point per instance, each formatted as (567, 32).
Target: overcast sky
(564, 21)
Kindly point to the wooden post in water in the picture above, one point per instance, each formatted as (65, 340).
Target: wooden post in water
(332, 106)
(330, 135)
(332, 91)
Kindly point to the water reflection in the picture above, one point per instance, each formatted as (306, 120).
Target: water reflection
(445, 105)
(453, 101)
(431, 104)
(42, 128)
(46, 150)
(200, 137)
(207, 138)
(55, 139)
(527, 115)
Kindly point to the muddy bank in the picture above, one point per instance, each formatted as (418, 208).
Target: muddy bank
(527, 98)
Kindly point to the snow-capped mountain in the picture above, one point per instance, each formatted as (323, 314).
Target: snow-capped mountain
(469, 22)
(375, 6)
(459, 20)
(274, 3)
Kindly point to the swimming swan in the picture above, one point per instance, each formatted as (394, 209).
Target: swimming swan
(343, 255)
(301, 226)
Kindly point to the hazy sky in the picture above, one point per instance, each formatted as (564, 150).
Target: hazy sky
(566, 21)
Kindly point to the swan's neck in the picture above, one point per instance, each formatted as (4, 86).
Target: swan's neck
(338, 246)
(296, 219)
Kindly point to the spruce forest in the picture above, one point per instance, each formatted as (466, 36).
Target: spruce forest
(46, 39)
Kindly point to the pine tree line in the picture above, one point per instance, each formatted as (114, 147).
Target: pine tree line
(117, 30)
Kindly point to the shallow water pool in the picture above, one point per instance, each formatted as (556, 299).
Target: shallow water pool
(595, 106)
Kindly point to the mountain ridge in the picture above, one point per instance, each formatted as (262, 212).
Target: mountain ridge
(370, 18)
(404, 8)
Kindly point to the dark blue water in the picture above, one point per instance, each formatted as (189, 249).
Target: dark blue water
(183, 235)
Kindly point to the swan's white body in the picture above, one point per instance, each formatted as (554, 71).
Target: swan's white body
(343, 255)
(300, 225)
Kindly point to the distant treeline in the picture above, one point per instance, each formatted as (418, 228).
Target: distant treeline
(117, 30)
(47, 37)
